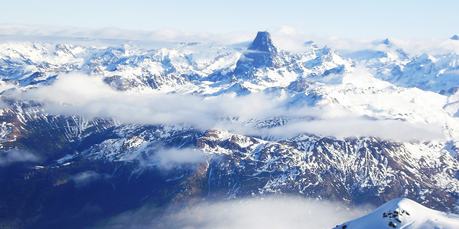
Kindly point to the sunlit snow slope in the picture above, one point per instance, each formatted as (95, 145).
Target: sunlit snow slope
(404, 213)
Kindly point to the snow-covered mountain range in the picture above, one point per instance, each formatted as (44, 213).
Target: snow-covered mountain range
(212, 122)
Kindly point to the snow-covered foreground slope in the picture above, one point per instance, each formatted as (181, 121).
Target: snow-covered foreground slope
(404, 213)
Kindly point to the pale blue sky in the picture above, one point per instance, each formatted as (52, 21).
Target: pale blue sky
(347, 19)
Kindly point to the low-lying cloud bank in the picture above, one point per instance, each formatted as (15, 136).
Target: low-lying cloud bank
(82, 95)
(111, 36)
(285, 37)
(263, 213)
(292, 39)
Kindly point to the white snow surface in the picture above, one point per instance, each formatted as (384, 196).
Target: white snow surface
(404, 213)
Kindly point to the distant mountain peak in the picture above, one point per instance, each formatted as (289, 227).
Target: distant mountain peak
(455, 37)
(263, 43)
(387, 42)
(311, 43)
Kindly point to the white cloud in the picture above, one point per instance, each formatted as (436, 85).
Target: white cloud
(266, 213)
(77, 94)
(85, 178)
(290, 38)
(171, 158)
(413, 46)
(73, 88)
(110, 36)
(293, 39)
(360, 127)
(3, 104)
(17, 155)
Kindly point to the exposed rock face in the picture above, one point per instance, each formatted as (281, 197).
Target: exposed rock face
(261, 54)
(366, 170)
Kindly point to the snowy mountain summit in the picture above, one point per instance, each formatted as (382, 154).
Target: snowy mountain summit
(404, 213)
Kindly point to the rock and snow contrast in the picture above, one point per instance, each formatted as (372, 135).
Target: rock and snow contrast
(404, 213)
(127, 125)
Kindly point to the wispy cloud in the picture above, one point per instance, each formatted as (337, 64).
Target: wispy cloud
(85, 178)
(288, 38)
(170, 158)
(78, 35)
(360, 127)
(17, 155)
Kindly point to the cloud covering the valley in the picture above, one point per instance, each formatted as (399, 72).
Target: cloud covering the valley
(83, 95)
(266, 213)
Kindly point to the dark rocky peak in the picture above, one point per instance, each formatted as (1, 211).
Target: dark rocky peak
(400, 53)
(326, 52)
(455, 37)
(263, 43)
(311, 44)
(259, 55)
(387, 42)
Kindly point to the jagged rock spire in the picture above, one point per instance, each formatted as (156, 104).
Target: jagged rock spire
(387, 42)
(260, 54)
(311, 44)
(263, 43)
